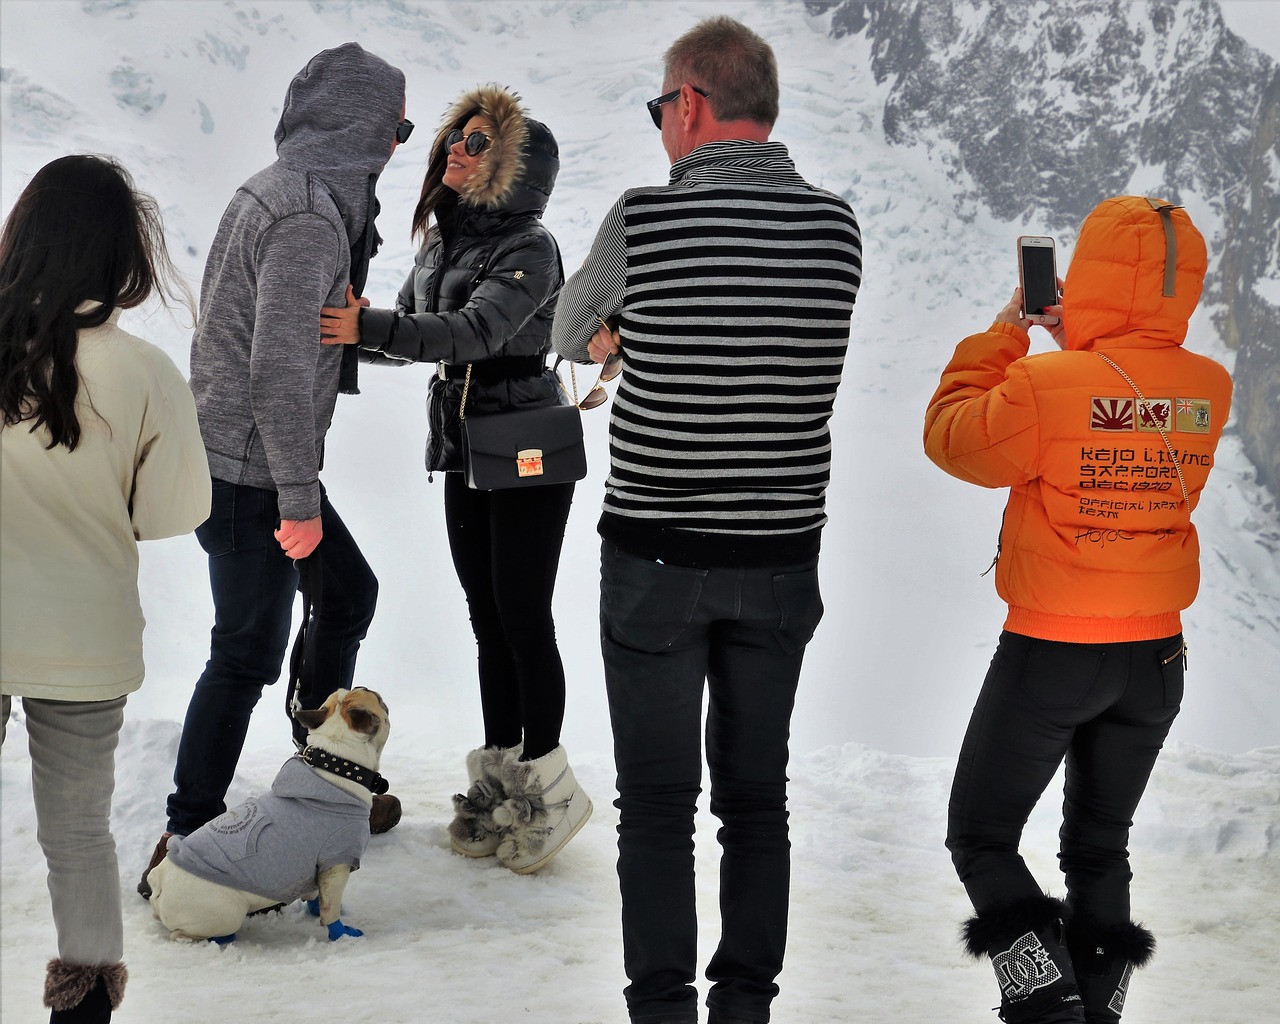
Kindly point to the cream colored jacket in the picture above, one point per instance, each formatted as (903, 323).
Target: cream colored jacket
(70, 618)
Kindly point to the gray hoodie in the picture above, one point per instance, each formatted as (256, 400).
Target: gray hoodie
(265, 387)
(275, 845)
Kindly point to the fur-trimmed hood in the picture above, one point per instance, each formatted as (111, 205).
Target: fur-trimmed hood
(517, 170)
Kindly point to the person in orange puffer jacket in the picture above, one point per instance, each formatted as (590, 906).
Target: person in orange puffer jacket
(1106, 447)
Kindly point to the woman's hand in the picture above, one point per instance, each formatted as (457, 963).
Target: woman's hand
(341, 325)
(1012, 312)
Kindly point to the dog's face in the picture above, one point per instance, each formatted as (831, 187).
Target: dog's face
(357, 712)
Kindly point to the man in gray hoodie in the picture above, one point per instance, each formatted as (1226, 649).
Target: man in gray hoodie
(291, 240)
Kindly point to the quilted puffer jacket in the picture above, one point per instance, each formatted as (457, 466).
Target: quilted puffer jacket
(483, 288)
(1097, 544)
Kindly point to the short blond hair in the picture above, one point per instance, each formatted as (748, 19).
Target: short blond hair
(734, 65)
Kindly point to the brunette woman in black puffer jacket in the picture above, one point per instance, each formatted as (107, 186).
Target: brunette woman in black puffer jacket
(482, 293)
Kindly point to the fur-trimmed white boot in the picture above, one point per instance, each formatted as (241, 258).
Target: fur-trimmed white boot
(544, 808)
(472, 832)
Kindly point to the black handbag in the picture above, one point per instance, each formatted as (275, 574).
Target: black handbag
(521, 447)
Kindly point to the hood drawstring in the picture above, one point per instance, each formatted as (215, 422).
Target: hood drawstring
(364, 249)
(1170, 243)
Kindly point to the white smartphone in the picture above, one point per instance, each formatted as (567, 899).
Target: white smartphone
(1038, 277)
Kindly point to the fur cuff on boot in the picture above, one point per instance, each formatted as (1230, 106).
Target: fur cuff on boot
(989, 929)
(66, 985)
(1095, 948)
(472, 831)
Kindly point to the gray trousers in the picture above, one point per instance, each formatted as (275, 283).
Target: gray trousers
(73, 775)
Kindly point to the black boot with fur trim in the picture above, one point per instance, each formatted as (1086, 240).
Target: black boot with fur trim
(1104, 957)
(1025, 944)
(83, 993)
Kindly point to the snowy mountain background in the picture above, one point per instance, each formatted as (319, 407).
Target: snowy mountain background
(187, 92)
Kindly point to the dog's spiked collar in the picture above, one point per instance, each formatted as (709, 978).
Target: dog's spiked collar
(345, 769)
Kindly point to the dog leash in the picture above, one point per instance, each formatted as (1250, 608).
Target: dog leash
(301, 673)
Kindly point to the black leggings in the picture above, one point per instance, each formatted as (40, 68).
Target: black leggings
(506, 550)
(1106, 708)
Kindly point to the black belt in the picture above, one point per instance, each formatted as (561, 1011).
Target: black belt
(491, 371)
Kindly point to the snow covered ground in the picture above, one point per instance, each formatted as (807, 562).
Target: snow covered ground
(187, 94)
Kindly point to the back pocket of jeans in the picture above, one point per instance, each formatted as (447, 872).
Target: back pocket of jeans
(800, 604)
(644, 604)
(1060, 674)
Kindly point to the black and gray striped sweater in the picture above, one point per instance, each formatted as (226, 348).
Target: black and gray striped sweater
(734, 286)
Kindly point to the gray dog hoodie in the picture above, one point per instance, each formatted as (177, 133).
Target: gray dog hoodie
(275, 845)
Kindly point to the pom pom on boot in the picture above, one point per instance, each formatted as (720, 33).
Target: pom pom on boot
(472, 832)
(544, 808)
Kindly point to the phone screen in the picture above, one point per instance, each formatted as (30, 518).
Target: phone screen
(1039, 286)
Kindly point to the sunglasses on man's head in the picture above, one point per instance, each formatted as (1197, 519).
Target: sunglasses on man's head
(655, 105)
(475, 142)
(403, 130)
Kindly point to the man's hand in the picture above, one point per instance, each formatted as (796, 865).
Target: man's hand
(299, 537)
(603, 344)
(341, 325)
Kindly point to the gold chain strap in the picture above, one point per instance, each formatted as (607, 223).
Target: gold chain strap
(1186, 498)
(466, 388)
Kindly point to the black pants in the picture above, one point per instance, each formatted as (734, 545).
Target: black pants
(254, 585)
(1106, 708)
(506, 550)
(667, 634)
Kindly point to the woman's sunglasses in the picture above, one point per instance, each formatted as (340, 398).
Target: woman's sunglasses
(475, 142)
(403, 130)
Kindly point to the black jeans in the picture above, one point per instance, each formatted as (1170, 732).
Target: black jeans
(1107, 709)
(506, 550)
(254, 583)
(664, 630)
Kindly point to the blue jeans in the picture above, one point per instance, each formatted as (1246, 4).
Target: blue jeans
(254, 583)
(664, 631)
(73, 776)
(1107, 709)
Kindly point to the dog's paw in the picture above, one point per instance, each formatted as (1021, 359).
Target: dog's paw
(313, 907)
(337, 930)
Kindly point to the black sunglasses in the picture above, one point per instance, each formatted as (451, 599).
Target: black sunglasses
(475, 143)
(403, 130)
(655, 106)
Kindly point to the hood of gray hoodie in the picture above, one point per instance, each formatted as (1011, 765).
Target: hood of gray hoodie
(338, 122)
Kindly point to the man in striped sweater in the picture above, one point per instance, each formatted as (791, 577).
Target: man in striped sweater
(732, 289)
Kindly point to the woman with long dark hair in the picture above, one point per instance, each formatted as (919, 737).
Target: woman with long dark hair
(479, 302)
(100, 449)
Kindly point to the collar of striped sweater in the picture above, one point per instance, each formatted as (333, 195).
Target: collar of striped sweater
(765, 159)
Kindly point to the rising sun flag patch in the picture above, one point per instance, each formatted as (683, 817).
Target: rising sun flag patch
(1112, 414)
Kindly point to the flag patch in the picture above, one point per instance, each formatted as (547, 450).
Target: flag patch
(1194, 415)
(1155, 414)
(1112, 414)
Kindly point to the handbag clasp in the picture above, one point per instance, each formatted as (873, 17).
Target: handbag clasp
(529, 462)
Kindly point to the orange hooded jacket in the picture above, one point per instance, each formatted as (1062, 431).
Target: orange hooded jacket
(1097, 544)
